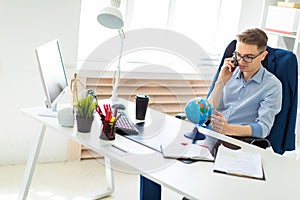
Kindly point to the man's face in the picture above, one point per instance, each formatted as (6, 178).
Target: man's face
(249, 52)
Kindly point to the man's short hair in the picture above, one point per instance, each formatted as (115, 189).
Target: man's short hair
(254, 36)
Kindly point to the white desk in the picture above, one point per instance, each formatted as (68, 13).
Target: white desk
(195, 181)
(198, 181)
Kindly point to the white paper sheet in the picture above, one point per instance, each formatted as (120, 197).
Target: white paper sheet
(237, 162)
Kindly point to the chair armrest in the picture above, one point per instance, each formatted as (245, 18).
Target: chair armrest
(260, 142)
(180, 116)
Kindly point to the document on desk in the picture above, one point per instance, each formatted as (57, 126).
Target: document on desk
(187, 151)
(239, 163)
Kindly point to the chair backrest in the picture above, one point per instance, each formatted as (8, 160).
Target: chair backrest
(283, 64)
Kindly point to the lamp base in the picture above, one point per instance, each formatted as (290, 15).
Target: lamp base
(119, 106)
(116, 103)
(195, 135)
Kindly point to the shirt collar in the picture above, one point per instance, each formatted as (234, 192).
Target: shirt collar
(257, 77)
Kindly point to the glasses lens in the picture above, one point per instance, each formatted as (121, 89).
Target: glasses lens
(247, 59)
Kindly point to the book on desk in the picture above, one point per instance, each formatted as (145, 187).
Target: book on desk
(187, 151)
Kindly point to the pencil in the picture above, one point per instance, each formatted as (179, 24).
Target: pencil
(118, 118)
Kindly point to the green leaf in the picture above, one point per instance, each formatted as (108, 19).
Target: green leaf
(85, 107)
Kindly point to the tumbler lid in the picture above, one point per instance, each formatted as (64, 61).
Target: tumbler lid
(142, 96)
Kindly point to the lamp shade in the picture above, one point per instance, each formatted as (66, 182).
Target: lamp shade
(111, 17)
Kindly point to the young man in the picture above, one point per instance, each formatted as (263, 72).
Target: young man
(246, 97)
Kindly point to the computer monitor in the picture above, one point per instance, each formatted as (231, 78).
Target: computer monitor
(53, 75)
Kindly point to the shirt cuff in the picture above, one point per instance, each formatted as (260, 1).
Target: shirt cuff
(256, 130)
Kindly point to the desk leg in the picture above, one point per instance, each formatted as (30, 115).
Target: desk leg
(109, 175)
(31, 164)
(110, 183)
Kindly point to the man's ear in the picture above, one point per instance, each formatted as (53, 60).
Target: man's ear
(264, 54)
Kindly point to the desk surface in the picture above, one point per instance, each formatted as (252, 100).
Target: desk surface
(196, 180)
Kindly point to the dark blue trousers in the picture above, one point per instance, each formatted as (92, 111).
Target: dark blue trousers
(149, 190)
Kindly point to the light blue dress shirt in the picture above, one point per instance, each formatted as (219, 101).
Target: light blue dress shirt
(254, 103)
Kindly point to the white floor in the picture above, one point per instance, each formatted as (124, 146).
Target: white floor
(67, 180)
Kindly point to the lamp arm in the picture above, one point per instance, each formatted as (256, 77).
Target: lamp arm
(116, 3)
(117, 72)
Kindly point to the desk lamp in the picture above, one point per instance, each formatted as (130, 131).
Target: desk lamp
(111, 17)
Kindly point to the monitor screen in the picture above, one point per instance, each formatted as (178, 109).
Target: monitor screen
(52, 72)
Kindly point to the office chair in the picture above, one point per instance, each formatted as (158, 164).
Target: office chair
(283, 64)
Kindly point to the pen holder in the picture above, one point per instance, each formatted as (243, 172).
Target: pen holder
(108, 131)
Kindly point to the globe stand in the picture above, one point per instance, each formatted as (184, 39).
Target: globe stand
(195, 135)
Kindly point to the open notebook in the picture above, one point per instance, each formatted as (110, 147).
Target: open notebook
(187, 151)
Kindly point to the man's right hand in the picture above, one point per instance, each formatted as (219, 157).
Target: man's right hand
(227, 70)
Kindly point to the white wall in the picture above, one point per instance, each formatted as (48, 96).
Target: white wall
(24, 26)
(236, 16)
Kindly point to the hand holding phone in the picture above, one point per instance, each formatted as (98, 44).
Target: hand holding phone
(229, 66)
(235, 63)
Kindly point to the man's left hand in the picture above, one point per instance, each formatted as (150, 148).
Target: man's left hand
(218, 122)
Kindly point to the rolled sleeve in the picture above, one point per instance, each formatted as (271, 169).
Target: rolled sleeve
(256, 130)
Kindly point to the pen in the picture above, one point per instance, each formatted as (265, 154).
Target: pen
(107, 110)
(99, 111)
(115, 112)
(118, 118)
(119, 148)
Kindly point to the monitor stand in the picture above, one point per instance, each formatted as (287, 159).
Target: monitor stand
(195, 135)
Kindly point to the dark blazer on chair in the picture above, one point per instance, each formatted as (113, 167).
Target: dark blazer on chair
(283, 64)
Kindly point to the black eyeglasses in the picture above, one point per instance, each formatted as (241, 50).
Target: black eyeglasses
(247, 58)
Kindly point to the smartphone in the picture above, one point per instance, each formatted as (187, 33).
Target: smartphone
(235, 61)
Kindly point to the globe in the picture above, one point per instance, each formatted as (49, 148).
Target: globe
(198, 110)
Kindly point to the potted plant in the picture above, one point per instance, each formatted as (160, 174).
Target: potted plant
(85, 109)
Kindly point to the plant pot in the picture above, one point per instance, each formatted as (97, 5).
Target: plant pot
(84, 125)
